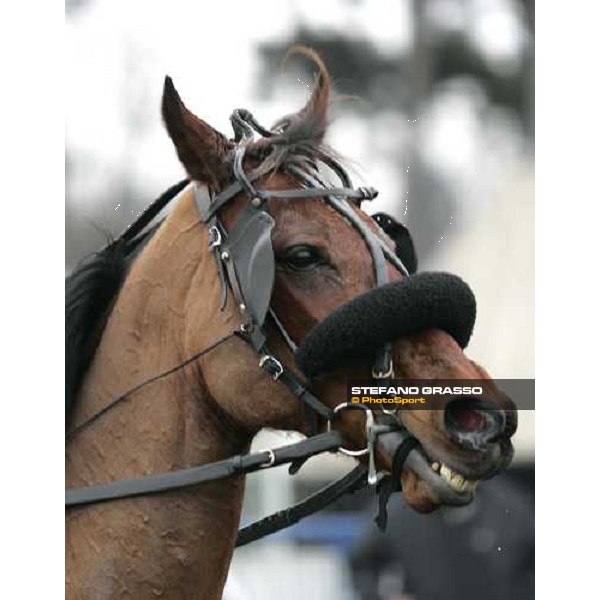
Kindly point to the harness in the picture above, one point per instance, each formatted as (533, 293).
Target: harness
(246, 268)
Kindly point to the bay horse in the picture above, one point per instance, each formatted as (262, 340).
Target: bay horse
(306, 253)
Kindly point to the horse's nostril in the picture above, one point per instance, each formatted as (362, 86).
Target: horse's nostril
(473, 422)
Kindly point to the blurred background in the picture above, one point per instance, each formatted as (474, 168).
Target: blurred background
(443, 126)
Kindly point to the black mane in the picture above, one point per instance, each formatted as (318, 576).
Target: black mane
(89, 293)
(91, 289)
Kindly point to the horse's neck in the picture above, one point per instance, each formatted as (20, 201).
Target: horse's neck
(178, 542)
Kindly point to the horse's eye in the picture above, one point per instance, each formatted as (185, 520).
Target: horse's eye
(303, 258)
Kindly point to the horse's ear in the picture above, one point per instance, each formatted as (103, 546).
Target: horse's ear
(201, 149)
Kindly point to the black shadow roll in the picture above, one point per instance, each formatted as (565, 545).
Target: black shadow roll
(362, 325)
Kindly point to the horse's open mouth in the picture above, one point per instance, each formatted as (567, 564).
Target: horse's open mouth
(428, 481)
(436, 474)
(446, 485)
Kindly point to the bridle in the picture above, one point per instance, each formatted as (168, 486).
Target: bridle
(246, 268)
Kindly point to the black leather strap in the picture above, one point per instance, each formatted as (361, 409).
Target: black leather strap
(292, 383)
(211, 208)
(391, 483)
(352, 482)
(235, 188)
(151, 211)
(184, 478)
(83, 425)
(363, 193)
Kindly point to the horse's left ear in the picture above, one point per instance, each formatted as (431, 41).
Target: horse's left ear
(405, 249)
(201, 149)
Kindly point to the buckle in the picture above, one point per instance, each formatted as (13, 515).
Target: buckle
(368, 193)
(383, 374)
(271, 365)
(214, 237)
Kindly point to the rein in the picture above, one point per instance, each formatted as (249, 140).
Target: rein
(125, 395)
(184, 478)
(245, 265)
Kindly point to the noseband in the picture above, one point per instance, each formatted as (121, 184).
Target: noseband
(246, 268)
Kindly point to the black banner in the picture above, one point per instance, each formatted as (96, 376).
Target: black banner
(431, 394)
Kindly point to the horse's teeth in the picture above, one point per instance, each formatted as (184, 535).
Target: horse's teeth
(446, 472)
(457, 482)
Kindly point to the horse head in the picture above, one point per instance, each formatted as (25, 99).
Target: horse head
(322, 263)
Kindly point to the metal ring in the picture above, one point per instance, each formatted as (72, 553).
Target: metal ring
(271, 458)
(346, 451)
(278, 366)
